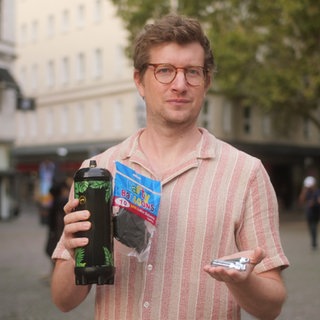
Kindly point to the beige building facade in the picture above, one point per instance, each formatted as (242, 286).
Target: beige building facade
(71, 60)
(9, 92)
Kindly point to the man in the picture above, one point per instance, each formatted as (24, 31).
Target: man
(216, 202)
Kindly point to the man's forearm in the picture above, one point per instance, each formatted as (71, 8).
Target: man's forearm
(65, 293)
(261, 295)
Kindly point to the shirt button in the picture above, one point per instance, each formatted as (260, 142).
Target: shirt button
(146, 304)
(150, 267)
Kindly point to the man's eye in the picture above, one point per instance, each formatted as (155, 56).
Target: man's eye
(164, 70)
(193, 71)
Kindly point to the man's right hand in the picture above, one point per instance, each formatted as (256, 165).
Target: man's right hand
(75, 221)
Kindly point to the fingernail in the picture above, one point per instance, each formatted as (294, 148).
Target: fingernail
(87, 225)
(86, 214)
(84, 241)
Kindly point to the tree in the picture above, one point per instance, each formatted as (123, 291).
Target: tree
(267, 52)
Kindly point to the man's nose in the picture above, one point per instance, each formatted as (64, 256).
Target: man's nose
(180, 80)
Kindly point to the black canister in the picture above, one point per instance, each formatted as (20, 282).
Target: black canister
(94, 262)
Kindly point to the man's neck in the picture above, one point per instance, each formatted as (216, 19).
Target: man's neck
(166, 147)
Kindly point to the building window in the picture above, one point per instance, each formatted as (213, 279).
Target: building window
(306, 128)
(34, 31)
(227, 117)
(1, 15)
(266, 125)
(119, 61)
(118, 115)
(97, 63)
(80, 68)
(80, 127)
(33, 124)
(64, 120)
(247, 120)
(8, 102)
(96, 117)
(97, 11)
(65, 70)
(49, 123)
(65, 25)
(205, 115)
(21, 125)
(23, 77)
(80, 16)
(34, 77)
(50, 26)
(24, 34)
(50, 74)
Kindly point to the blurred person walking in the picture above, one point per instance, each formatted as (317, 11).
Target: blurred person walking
(47, 171)
(310, 198)
(59, 192)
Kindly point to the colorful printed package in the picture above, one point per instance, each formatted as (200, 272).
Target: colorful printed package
(138, 199)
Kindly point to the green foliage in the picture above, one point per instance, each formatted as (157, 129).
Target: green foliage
(108, 191)
(135, 13)
(108, 257)
(268, 56)
(80, 187)
(101, 184)
(79, 256)
(267, 52)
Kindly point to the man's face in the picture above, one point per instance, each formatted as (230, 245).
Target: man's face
(176, 103)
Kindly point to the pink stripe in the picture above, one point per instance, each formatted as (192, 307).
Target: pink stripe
(189, 244)
(171, 249)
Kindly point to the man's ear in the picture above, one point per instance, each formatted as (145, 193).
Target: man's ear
(138, 80)
(208, 82)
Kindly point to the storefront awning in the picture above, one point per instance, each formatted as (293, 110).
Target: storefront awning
(7, 79)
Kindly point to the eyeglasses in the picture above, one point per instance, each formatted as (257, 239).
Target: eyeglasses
(166, 73)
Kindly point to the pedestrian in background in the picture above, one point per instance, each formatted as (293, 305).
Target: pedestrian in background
(216, 202)
(310, 198)
(59, 193)
(47, 172)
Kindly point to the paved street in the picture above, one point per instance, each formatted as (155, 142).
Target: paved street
(25, 292)
(24, 267)
(302, 278)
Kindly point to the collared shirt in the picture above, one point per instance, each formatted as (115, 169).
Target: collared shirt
(215, 202)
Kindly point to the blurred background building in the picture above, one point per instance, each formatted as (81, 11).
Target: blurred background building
(71, 60)
(9, 93)
(71, 65)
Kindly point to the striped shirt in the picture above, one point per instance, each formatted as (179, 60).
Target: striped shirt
(215, 202)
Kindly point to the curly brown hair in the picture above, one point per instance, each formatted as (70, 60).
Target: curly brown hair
(170, 28)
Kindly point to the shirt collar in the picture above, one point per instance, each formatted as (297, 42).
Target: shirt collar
(205, 149)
